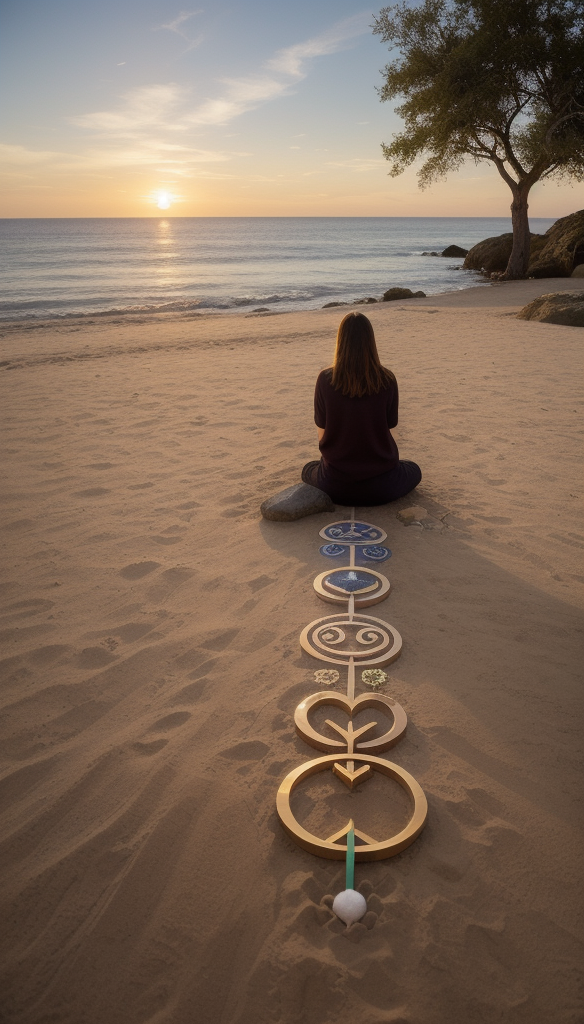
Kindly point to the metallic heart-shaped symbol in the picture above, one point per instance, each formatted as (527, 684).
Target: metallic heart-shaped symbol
(351, 743)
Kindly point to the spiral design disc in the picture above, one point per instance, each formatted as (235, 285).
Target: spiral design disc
(364, 638)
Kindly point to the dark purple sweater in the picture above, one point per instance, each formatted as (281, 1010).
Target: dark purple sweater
(357, 443)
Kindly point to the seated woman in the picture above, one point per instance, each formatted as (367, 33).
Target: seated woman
(355, 407)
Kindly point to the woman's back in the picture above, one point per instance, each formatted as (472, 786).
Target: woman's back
(356, 443)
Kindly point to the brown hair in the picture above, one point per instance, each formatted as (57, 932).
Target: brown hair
(356, 369)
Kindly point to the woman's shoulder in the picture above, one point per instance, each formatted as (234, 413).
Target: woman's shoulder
(325, 376)
(390, 378)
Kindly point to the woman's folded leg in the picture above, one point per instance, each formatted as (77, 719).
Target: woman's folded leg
(377, 490)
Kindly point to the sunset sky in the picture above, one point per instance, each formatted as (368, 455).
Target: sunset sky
(241, 108)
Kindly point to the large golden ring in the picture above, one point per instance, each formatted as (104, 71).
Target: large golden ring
(370, 850)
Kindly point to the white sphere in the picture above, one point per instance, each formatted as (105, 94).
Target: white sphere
(349, 906)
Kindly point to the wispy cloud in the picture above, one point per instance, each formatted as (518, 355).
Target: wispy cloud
(284, 70)
(177, 24)
(147, 107)
(293, 60)
(153, 124)
(170, 106)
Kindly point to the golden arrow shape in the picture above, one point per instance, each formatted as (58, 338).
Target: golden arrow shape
(349, 776)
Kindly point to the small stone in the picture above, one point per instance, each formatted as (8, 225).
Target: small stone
(418, 516)
(261, 309)
(412, 515)
(296, 502)
(364, 302)
(329, 305)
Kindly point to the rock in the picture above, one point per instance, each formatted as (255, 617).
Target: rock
(566, 308)
(296, 502)
(578, 271)
(493, 254)
(412, 515)
(328, 305)
(261, 309)
(563, 248)
(402, 293)
(416, 515)
(363, 302)
(455, 250)
(430, 254)
(554, 254)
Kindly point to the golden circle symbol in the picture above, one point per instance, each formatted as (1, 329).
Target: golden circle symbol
(371, 850)
(374, 642)
(352, 707)
(345, 531)
(376, 590)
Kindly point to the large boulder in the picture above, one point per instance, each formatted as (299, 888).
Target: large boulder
(566, 308)
(492, 255)
(578, 271)
(563, 248)
(296, 502)
(402, 293)
(456, 251)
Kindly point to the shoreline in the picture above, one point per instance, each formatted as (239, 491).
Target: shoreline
(150, 622)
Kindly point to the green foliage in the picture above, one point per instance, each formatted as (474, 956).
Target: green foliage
(497, 80)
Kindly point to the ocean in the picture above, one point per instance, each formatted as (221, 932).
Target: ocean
(57, 268)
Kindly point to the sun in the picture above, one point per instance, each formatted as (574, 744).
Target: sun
(163, 200)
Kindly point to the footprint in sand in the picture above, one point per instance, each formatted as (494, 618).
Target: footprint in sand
(219, 639)
(170, 721)
(91, 492)
(259, 582)
(94, 657)
(137, 570)
(190, 694)
(252, 750)
(149, 747)
(24, 609)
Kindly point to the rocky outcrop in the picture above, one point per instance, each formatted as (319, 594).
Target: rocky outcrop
(456, 251)
(563, 248)
(492, 255)
(566, 308)
(296, 502)
(402, 293)
(364, 302)
(554, 254)
(329, 305)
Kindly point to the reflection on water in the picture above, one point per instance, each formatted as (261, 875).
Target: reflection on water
(166, 251)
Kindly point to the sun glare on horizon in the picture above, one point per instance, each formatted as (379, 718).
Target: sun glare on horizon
(163, 200)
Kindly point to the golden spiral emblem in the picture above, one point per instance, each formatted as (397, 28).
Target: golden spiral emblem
(338, 638)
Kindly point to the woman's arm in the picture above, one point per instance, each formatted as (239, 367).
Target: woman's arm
(320, 432)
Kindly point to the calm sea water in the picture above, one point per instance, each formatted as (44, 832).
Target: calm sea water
(59, 268)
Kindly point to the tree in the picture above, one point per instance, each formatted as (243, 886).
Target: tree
(496, 80)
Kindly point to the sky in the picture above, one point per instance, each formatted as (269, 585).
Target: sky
(126, 108)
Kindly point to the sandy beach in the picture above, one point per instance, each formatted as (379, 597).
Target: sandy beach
(152, 665)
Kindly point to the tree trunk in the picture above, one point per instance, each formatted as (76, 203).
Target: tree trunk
(519, 258)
